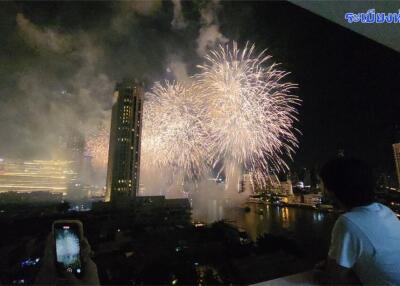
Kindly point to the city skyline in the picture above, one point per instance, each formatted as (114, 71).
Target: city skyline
(343, 107)
(199, 142)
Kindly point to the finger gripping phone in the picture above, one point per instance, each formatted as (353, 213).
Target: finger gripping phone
(67, 237)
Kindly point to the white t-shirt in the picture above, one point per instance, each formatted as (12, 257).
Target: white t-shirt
(367, 239)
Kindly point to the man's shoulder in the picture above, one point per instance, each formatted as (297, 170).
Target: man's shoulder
(345, 226)
(354, 222)
(371, 212)
(345, 222)
(375, 222)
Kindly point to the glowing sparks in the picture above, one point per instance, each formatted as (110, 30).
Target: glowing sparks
(238, 114)
(174, 135)
(97, 147)
(251, 110)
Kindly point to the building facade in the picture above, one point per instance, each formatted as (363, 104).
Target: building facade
(246, 184)
(396, 151)
(37, 176)
(125, 135)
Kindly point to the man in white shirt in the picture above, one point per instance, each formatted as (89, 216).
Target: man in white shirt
(365, 242)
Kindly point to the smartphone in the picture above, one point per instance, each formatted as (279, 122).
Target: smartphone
(67, 237)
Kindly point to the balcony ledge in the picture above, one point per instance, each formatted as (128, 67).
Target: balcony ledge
(299, 279)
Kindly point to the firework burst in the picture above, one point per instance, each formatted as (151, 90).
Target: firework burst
(97, 146)
(251, 110)
(237, 114)
(173, 130)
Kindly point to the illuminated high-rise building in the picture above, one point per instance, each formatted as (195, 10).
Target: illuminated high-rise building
(396, 151)
(246, 184)
(125, 134)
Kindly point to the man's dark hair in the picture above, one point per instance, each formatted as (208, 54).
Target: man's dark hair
(350, 180)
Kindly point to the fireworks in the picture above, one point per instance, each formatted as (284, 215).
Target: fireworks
(238, 114)
(251, 111)
(97, 147)
(173, 130)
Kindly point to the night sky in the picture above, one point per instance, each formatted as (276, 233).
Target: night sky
(59, 63)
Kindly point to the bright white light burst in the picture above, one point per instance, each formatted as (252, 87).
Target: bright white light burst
(237, 114)
(173, 131)
(251, 110)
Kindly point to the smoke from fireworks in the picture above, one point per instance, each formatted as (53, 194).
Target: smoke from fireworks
(97, 147)
(238, 114)
(251, 111)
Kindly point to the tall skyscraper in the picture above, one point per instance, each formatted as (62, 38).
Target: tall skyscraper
(124, 151)
(396, 151)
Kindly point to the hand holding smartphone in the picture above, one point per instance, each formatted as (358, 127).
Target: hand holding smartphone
(68, 235)
(67, 257)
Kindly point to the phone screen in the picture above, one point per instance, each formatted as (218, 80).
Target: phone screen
(67, 239)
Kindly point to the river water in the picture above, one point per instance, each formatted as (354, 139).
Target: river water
(309, 228)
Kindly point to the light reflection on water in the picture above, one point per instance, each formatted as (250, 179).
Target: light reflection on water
(310, 228)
